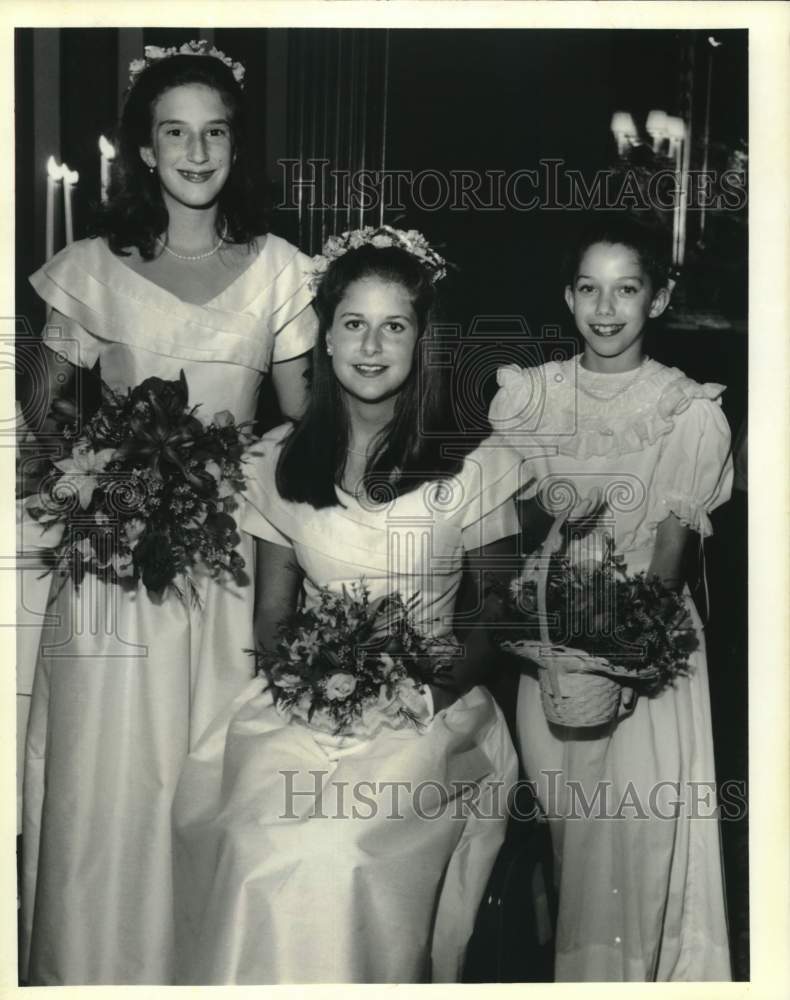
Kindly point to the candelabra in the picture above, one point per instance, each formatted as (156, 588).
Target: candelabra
(669, 141)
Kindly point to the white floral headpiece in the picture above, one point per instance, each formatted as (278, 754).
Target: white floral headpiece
(155, 52)
(409, 240)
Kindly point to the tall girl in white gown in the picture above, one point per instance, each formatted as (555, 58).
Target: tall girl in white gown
(283, 873)
(181, 277)
(640, 876)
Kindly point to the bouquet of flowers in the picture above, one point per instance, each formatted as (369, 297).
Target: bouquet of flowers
(349, 666)
(599, 621)
(147, 492)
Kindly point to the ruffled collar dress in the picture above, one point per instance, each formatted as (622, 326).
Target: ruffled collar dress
(637, 852)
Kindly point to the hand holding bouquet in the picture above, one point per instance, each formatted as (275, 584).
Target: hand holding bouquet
(147, 491)
(349, 666)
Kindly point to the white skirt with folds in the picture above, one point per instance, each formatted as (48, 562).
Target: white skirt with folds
(297, 863)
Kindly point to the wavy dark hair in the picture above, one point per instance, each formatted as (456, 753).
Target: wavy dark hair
(408, 451)
(647, 241)
(135, 213)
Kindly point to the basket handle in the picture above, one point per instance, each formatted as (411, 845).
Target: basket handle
(551, 545)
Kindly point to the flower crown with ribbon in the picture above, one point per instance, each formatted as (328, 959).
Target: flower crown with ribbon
(153, 53)
(381, 237)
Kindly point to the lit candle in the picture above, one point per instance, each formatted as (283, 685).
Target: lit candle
(686, 159)
(676, 212)
(676, 131)
(70, 178)
(53, 180)
(107, 151)
(624, 130)
(656, 126)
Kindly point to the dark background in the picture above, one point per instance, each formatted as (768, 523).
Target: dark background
(469, 99)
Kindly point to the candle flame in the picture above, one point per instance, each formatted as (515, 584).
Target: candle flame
(54, 170)
(656, 123)
(69, 176)
(623, 122)
(106, 148)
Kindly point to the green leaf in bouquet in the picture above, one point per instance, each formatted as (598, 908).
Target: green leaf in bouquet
(154, 561)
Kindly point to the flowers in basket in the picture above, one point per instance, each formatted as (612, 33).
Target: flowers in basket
(148, 491)
(350, 666)
(591, 629)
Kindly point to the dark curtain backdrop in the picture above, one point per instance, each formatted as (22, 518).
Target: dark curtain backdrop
(414, 100)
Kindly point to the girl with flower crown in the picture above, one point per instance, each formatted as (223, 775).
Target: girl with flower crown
(180, 274)
(631, 804)
(283, 873)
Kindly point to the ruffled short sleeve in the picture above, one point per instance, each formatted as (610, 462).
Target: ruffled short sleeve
(533, 413)
(694, 472)
(518, 405)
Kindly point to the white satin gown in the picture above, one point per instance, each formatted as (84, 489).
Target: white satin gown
(125, 685)
(294, 864)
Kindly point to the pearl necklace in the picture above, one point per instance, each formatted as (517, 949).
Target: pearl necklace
(196, 256)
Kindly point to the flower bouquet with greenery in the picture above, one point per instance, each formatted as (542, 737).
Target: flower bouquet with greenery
(591, 629)
(350, 666)
(147, 493)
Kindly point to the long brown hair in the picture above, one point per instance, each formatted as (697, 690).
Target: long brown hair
(407, 452)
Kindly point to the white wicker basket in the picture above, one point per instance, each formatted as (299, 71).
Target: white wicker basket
(577, 689)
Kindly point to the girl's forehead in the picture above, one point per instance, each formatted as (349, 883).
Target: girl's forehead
(376, 292)
(190, 100)
(611, 256)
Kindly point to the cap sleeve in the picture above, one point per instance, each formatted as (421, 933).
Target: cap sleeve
(266, 303)
(694, 471)
(252, 520)
(255, 503)
(73, 317)
(491, 477)
(297, 336)
(65, 336)
(501, 522)
(294, 324)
